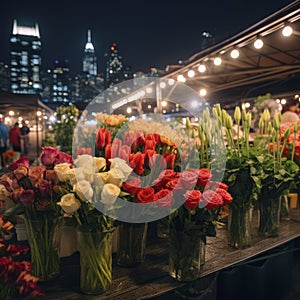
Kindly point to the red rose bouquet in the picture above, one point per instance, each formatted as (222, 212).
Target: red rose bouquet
(32, 189)
(16, 281)
(147, 148)
(192, 222)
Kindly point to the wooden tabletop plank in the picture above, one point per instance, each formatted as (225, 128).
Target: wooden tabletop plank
(151, 278)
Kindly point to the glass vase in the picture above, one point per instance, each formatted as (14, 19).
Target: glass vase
(269, 215)
(95, 261)
(44, 236)
(186, 254)
(162, 228)
(131, 244)
(239, 226)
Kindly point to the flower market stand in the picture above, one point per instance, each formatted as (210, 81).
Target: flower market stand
(152, 279)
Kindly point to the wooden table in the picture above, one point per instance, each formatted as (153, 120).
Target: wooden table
(152, 279)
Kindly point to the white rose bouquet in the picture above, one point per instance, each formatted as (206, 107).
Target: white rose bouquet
(89, 189)
(89, 185)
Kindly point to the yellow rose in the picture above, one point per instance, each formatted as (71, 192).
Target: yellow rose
(115, 176)
(84, 190)
(69, 203)
(114, 120)
(100, 163)
(110, 193)
(20, 172)
(3, 191)
(120, 164)
(72, 177)
(61, 171)
(100, 117)
(99, 179)
(167, 141)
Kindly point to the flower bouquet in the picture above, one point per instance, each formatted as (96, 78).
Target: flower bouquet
(16, 280)
(279, 170)
(88, 192)
(243, 174)
(147, 147)
(32, 189)
(8, 157)
(192, 222)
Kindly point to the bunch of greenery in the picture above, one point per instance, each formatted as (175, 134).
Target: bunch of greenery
(63, 129)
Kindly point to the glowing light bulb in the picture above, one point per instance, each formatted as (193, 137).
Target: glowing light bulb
(235, 53)
(202, 92)
(217, 61)
(164, 103)
(181, 78)
(202, 68)
(258, 44)
(171, 81)
(283, 101)
(162, 85)
(191, 73)
(287, 31)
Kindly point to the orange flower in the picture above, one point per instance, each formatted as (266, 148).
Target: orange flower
(114, 120)
(5, 225)
(36, 173)
(167, 141)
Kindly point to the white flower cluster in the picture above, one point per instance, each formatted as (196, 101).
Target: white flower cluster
(88, 175)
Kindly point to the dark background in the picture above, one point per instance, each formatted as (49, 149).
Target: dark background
(148, 33)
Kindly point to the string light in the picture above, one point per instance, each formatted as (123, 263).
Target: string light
(287, 31)
(171, 81)
(202, 68)
(181, 78)
(164, 103)
(162, 85)
(202, 92)
(258, 44)
(235, 53)
(191, 73)
(217, 61)
(283, 101)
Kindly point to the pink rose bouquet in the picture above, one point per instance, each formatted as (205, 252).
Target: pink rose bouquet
(33, 190)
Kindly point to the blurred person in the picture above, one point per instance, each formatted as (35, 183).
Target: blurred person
(4, 133)
(25, 137)
(15, 138)
(289, 111)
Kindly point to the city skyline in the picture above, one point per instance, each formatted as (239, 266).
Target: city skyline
(155, 35)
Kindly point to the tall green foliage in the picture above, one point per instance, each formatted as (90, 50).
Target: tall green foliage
(63, 129)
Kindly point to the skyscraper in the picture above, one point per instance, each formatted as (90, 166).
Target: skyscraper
(25, 65)
(114, 66)
(4, 77)
(60, 88)
(89, 63)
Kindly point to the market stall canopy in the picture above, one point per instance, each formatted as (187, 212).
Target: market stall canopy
(22, 103)
(235, 69)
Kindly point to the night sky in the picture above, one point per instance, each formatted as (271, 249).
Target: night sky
(148, 33)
